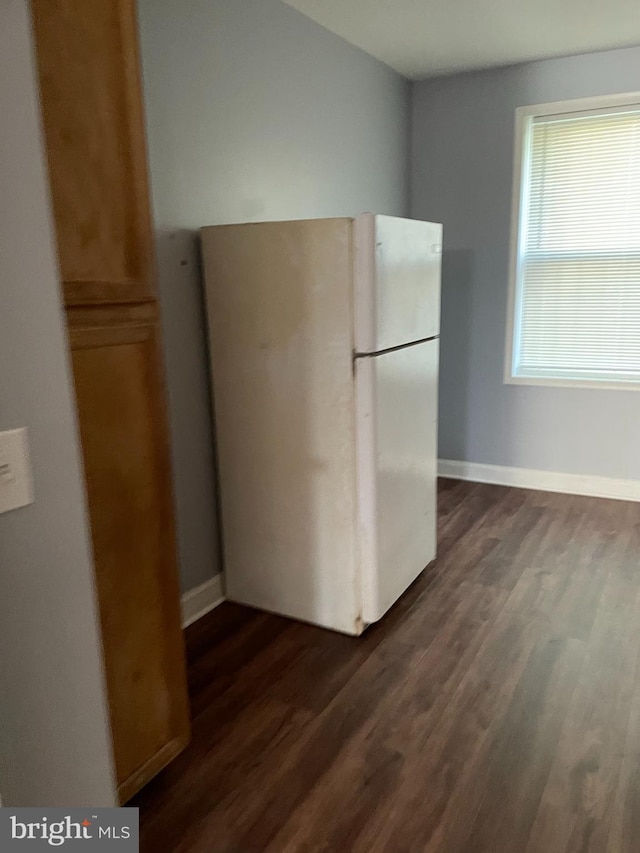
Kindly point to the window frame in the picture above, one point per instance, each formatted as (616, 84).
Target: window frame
(519, 192)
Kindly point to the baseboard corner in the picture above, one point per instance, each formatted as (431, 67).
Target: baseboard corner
(197, 602)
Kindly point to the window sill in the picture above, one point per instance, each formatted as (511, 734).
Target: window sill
(564, 382)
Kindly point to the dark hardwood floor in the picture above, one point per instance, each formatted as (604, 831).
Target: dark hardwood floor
(495, 709)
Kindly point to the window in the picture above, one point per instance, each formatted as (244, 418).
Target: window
(574, 315)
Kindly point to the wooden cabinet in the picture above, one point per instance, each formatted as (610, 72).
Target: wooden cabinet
(120, 400)
(93, 122)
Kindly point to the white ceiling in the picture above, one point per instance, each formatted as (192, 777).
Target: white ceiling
(422, 38)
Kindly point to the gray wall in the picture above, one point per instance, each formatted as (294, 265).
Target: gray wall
(254, 112)
(462, 156)
(54, 740)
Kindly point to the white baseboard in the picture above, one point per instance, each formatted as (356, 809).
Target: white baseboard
(200, 600)
(545, 481)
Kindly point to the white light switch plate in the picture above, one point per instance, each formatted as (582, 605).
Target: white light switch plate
(16, 482)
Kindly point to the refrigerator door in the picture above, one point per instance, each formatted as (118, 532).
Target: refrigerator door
(396, 405)
(397, 281)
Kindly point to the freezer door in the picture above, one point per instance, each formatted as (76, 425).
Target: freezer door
(397, 403)
(397, 281)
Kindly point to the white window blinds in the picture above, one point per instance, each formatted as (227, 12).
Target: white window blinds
(577, 307)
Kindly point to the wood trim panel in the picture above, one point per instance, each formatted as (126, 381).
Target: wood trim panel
(90, 317)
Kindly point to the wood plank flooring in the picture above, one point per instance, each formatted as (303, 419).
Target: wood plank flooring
(495, 709)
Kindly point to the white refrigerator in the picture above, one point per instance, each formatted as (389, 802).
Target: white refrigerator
(324, 339)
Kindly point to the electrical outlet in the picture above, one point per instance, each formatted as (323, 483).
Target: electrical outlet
(16, 483)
